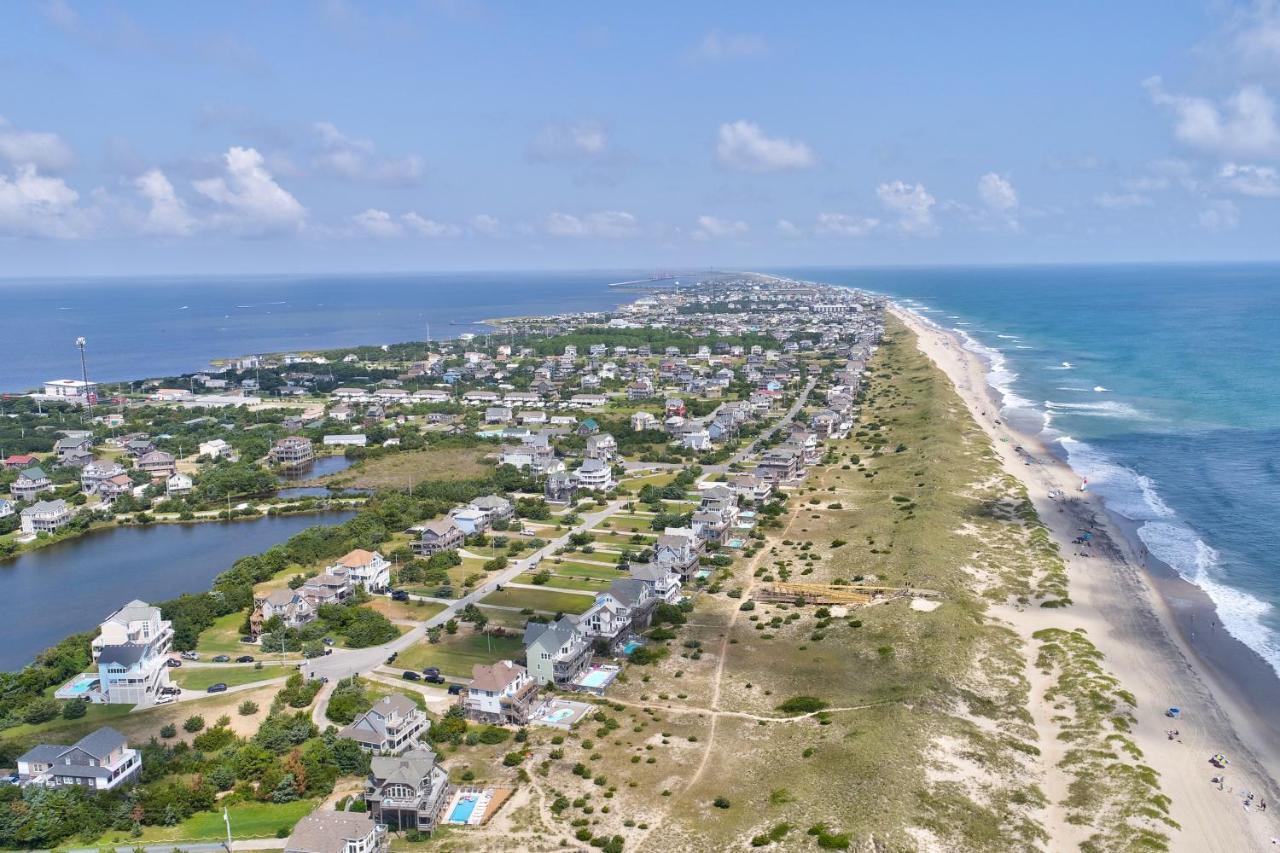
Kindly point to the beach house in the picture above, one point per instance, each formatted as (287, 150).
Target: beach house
(678, 549)
(390, 727)
(96, 473)
(45, 517)
(217, 448)
(100, 761)
(498, 507)
(559, 488)
(619, 613)
(130, 651)
(157, 463)
(501, 693)
(31, 483)
(556, 652)
(326, 831)
(291, 452)
(602, 446)
(365, 568)
(407, 791)
(436, 536)
(663, 583)
(293, 607)
(594, 474)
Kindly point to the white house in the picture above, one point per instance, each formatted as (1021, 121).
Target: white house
(501, 693)
(45, 517)
(96, 473)
(641, 421)
(698, 439)
(662, 582)
(470, 519)
(594, 474)
(131, 650)
(178, 484)
(367, 568)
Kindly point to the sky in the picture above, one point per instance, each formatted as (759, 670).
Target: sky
(159, 137)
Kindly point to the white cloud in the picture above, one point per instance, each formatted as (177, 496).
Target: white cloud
(787, 228)
(489, 226)
(430, 227)
(46, 151)
(38, 205)
(1121, 201)
(355, 159)
(843, 225)
(744, 147)
(911, 203)
(612, 224)
(997, 193)
(714, 228)
(1220, 216)
(377, 223)
(568, 142)
(168, 214)
(1257, 181)
(717, 45)
(1243, 124)
(248, 199)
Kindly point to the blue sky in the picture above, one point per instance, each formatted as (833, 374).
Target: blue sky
(235, 137)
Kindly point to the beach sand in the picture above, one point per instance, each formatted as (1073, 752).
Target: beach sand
(1130, 622)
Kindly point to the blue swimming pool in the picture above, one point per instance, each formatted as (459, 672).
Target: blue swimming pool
(597, 678)
(631, 647)
(462, 810)
(81, 685)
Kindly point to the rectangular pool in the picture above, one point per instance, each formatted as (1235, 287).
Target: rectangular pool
(631, 647)
(463, 808)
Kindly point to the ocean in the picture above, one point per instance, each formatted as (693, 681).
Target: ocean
(1160, 385)
(161, 326)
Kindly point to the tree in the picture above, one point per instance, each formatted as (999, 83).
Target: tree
(75, 709)
(285, 791)
(248, 708)
(41, 711)
(193, 724)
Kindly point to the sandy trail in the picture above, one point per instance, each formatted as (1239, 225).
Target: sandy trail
(1127, 621)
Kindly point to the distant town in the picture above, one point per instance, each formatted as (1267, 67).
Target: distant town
(538, 513)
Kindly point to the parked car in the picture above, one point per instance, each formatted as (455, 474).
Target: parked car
(455, 689)
(191, 656)
(248, 639)
(221, 658)
(431, 670)
(170, 691)
(410, 675)
(434, 679)
(165, 699)
(328, 641)
(173, 662)
(399, 595)
(245, 659)
(391, 658)
(220, 687)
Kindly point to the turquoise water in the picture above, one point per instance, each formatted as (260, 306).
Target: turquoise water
(462, 810)
(596, 678)
(81, 685)
(631, 647)
(1160, 384)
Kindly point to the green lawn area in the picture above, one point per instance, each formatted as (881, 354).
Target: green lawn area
(510, 619)
(582, 570)
(456, 654)
(565, 582)
(223, 637)
(60, 729)
(657, 480)
(619, 540)
(632, 522)
(248, 820)
(201, 678)
(550, 602)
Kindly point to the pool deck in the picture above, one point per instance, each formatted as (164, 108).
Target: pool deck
(487, 803)
(559, 713)
(596, 679)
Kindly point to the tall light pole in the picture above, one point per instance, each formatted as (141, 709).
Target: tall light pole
(84, 375)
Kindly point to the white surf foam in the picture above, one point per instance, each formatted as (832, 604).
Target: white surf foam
(1242, 614)
(1107, 409)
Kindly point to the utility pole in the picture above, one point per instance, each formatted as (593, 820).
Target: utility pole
(84, 375)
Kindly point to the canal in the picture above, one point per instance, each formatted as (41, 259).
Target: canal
(72, 586)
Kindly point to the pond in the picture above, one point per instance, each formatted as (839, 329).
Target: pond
(72, 586)
(323, 466)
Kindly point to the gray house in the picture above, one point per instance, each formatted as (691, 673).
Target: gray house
(409, 791)
(390, 727)
(556, 652)
(101, 761)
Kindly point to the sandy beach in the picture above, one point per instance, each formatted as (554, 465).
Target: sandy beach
(1121, 607)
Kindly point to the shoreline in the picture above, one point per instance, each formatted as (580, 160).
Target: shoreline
(1137, 615)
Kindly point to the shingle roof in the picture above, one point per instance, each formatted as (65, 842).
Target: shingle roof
(126, 655)
(101, 743)
(496, 676)
(328, 831)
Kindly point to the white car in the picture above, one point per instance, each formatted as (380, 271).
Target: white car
(166, 699)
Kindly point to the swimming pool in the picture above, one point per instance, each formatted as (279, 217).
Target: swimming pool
(77, 687)
(559, 715)
(631, 647)
(463, 808)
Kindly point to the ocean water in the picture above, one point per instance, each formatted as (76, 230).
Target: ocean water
(158, 326)
(1159, 384)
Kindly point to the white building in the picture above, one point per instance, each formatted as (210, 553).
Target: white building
(337, 832)
(71, 390)
(500, 693)
(594, 474)
(130, 651)
(367, 568)
(216, 448)
(45, 517)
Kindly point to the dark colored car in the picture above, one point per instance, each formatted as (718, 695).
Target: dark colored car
(400, 595)
(434, 679)
(391, 658)
(410, 675)
(455, 689)
(220, 687)
(173, 662)
(221, 658)
(245, 659)
(328, 641)
(246, 639)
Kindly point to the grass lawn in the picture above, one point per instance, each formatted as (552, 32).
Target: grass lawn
(201, 678)
(510, 619)
(594, 556)
(656, 480)
(248, 820)
(416, 611)
(565, 582)
(620, 540)
(550, 602)
(60, 729)
(582, 570)
(223, 637)
(456, 654)
(407, 469)
(632, 523)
